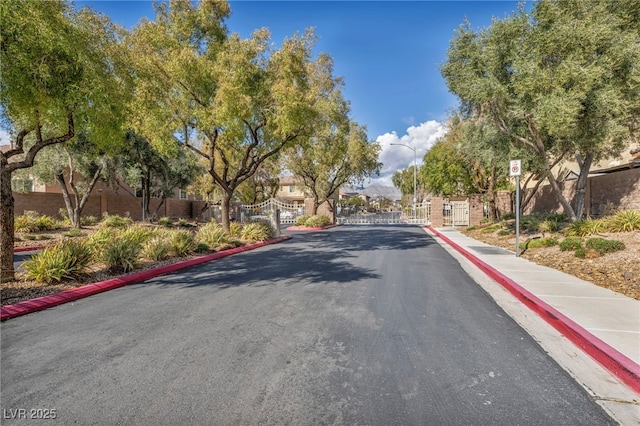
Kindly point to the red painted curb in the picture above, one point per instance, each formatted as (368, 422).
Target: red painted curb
(20, 249)
(45, 302)
(307, 228)
(610, 358)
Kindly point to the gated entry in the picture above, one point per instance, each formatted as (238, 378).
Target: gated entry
(456, 213)
(266, 210)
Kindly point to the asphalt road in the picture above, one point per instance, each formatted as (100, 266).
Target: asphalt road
(372, 325)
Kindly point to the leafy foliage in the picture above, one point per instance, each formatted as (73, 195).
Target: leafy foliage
(183, 243)
(213, 234)
(115, 221)
(67, 260)
(604, 246)
(625, 221)
(316, 221)
(571, 244)
(121, 254)
(257, 231)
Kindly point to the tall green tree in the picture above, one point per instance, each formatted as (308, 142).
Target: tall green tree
(337, 152)
(61, 70)
(234, 102)
(139, 166)
(559, 82)
(77, 166)
(403, 180)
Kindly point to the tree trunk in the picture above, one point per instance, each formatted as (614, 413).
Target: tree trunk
(314, 208)
(585, 166)
(566, 207)
(225, 206)
(491, 192)
(74, 215)
(7, 207)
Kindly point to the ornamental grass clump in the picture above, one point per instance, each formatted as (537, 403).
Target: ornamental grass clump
(213, 234)
(183, 243)
(66, 260)
(157, 248)
(301, 220)
(586, 227)
(316, 221)
(624, 221)
(121, 254)
(115, 221)
(257, 231)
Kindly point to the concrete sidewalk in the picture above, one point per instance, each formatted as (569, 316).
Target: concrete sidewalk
(604, 324)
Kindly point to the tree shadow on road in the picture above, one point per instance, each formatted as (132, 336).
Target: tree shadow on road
(309, 258)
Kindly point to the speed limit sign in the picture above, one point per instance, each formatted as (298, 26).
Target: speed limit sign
(515, 168)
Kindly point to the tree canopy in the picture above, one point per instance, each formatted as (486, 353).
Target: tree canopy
(558, 81)
(61, 70)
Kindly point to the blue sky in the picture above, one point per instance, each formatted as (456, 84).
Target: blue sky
(388, 53)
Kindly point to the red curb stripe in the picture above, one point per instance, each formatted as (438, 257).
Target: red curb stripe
(45, 302)
(610, 358)
(20, 249)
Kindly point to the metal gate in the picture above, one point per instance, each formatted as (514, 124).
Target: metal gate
(456, 213)
(266, 211)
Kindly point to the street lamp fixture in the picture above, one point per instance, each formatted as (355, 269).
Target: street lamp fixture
(415, 166)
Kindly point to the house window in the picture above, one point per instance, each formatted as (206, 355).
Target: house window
(183, 194)
(292, 188)
(22, 185)
(281, 188)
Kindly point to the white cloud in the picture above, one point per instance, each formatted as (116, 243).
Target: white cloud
(393, 158)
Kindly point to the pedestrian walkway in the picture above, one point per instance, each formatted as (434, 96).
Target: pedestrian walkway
(605, 324)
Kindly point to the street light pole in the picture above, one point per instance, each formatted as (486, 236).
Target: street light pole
(415, 167)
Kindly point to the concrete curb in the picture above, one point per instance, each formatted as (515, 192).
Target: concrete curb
(21, 249)
(45, 302)
(610, 358)
(307, 228)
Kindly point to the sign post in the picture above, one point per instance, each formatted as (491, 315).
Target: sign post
(515, 169)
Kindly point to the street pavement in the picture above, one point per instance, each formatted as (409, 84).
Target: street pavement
(371, 325)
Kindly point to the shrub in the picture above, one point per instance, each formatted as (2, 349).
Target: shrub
(581, 252)
(317, 220)
(604, 246)
(491, 228)
(29, 237)
(508, 216)
(46, 223)
(115, 221)
(88, 220)
(472, 228)
(23, 224)
(570, 243)
(121, 254)
(30, 223)
(99, 240)
(548, 225)
(165, 221)
(301, 220)
(67, 260)
(540, 242)
(182, 243)
(157, 248)
(75, 232)
(586, 227)
(235, 229)
(504, 232)
(184, 223)
(212, 234)
(625, 221)
(138, 233)
(257, 231)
